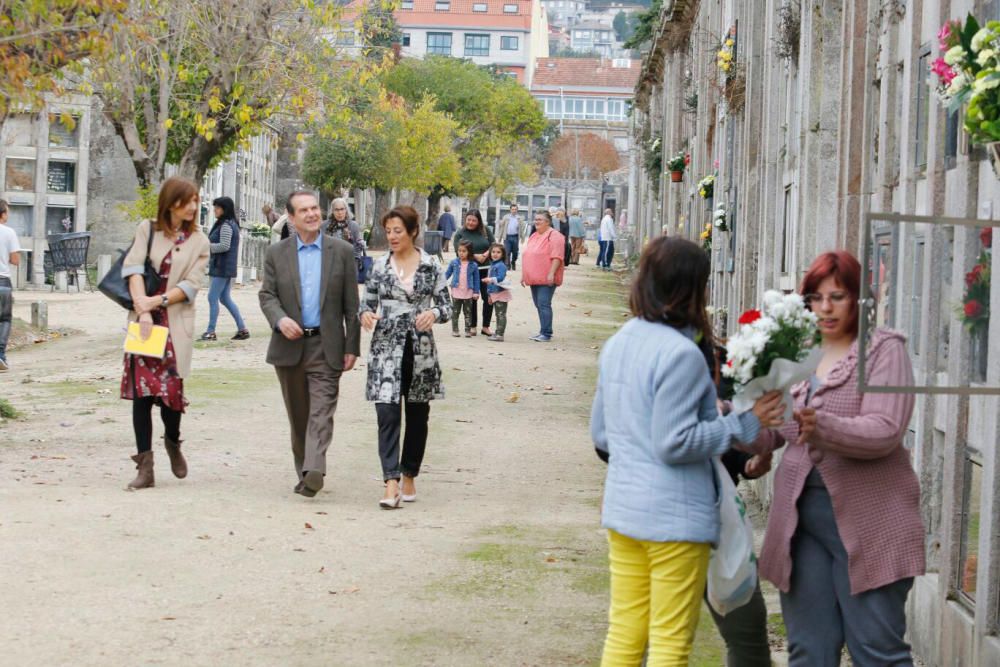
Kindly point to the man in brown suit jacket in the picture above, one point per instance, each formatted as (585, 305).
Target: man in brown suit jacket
(310, 298)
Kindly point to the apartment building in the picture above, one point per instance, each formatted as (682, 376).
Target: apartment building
(588, 95)
(509, 34)
(247, 176)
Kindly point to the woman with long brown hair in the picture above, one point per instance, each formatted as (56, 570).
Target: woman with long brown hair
(655, 421)
(180, 252)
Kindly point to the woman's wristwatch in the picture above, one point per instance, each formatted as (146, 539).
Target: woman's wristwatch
(164, 301)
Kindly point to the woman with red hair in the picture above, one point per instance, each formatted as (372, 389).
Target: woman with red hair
(844, 536)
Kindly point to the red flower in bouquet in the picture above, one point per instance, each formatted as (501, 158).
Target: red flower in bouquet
(973, 308)
(986, 237)
(972, 276)
(749, 317)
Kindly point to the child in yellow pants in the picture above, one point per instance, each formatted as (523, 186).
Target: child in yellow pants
(656, 593)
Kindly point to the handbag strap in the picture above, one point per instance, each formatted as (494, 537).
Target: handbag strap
(149, 242)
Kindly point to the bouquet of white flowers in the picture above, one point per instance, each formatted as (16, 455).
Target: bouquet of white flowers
(772, 350)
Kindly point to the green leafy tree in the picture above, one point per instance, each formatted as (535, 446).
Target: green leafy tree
(497, 121)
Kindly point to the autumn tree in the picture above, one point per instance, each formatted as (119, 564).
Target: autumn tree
(44, 41)
(497, 121)
(573, 152)
(191, 79)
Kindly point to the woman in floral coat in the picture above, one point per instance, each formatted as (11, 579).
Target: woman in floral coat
(405, 296)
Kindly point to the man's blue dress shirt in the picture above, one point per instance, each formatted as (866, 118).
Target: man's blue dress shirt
(310, 278)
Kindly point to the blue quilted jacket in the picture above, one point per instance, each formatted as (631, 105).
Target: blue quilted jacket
(655, 415)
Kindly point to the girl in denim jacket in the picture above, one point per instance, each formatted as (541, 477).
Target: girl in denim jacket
(498, 289)
(463, 277)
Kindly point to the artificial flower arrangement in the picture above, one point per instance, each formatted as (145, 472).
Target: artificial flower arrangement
(679, 162)
(719, 217)
(975, 311)
(969, 72)
(775, 348)
(706, 237)
(706, 186)
(724, 57)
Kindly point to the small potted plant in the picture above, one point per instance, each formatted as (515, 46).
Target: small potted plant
(706, 238)
(676, 166)
(719, 218)
(706, 187)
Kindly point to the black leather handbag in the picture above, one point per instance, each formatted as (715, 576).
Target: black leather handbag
(115, 286)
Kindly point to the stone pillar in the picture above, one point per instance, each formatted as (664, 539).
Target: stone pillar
(103, 266)
(40, 315)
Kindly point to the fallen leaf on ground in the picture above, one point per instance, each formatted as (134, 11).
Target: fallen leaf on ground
(514, 397)
(309, 526)
(169, 618)
(204, 537)
(587, 312)
(548, 387)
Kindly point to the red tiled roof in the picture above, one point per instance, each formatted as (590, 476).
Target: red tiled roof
(585, 72)
(460, 13)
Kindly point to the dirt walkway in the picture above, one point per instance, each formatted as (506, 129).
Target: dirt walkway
(500, 562)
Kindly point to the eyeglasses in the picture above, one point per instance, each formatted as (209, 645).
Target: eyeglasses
(835, 298)
(340, 209)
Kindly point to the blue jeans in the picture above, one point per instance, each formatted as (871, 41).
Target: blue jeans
(219, 291)
(6, 314)
(510, 246)
(542, 297)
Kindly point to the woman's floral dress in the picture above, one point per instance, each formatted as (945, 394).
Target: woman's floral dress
(143, 377)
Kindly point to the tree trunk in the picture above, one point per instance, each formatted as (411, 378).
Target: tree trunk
(199, 155)
(433, 207)
(376, 241)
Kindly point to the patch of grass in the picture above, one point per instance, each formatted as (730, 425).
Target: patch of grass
(85, 389)
(709, 648)
(776, 626)
(228, 383)
(8, 411)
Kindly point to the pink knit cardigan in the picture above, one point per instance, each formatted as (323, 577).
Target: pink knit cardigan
(858, 448)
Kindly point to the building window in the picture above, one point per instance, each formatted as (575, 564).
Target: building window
(442, 5)
(477, 45)
(439, 43)
(19, 130)
(406, 39)
(406, 4)
(786, 231)
(19, 218)
(20, 174)
(509, 44)
(581, 34)
(538, 202)
(479, 7)
(59, 220)
(917, 291)
(968, 558)
(510, 9)
(952, 127)
(616, 110)
(922, 109)
(64, 134)
(62, 177)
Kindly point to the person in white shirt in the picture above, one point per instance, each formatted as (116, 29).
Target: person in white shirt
(9, 248)
(508, 231)
(608, 237)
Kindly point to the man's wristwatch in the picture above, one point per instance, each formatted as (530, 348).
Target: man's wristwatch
(164, 301)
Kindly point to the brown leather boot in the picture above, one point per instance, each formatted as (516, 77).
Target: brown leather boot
(144, 478)
(178, 465)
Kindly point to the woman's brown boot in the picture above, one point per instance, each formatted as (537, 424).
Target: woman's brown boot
(144, 478)
(177, 463)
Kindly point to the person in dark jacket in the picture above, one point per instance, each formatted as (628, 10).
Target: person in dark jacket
(480, 236)
(224, 238)
(446, 225)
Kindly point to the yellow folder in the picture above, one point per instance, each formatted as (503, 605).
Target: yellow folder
(154, 346)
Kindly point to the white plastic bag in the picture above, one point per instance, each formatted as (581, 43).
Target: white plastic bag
(732, 570)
